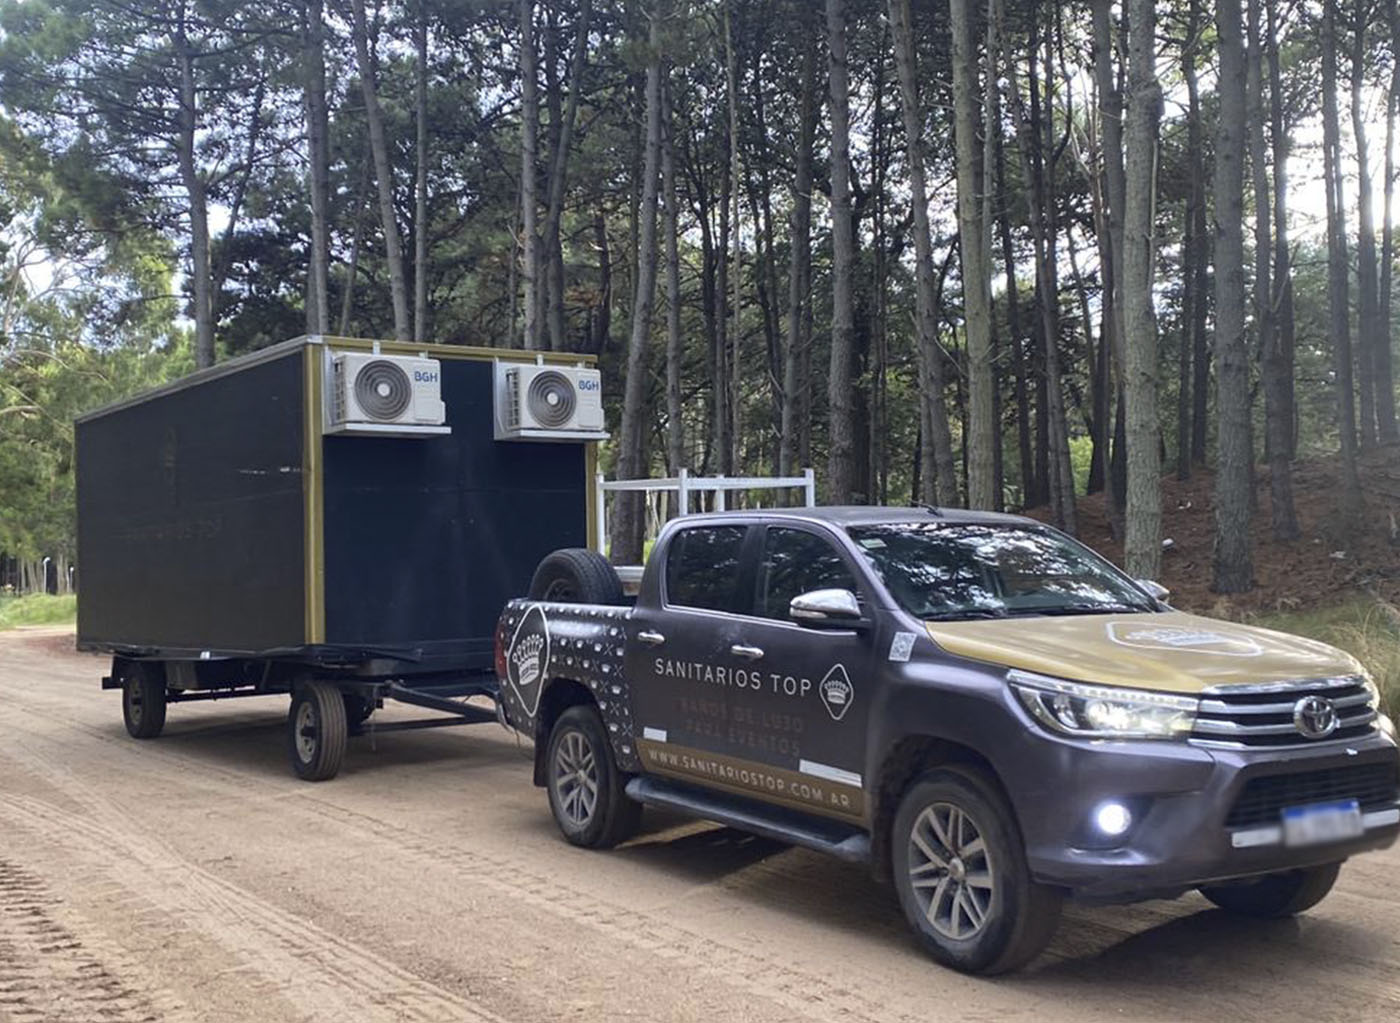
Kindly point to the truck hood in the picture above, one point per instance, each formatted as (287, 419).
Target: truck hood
(1172, 651)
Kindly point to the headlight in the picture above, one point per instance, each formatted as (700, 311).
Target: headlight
(1103, 712)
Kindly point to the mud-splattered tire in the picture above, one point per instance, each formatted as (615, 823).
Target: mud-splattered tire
(1276, 895)
(143, 699)
(584, 785)
(316, 731)
(575, 575)
(960, 870)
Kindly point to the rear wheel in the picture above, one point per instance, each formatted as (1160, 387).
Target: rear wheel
(961, 874)
(585, 787)
(143, 699)
(575, 575)
(316, 731)
(1276, 895)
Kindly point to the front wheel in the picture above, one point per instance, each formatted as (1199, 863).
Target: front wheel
(143, 699)
(961, 874)
(585, 787)
(1276, 895)
(316, 731)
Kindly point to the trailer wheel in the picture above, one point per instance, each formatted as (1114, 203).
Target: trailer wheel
(316, 731)
(585, 787)
(143, 699)
(578, 576)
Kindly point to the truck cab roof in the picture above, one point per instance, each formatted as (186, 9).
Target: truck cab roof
(841, 516)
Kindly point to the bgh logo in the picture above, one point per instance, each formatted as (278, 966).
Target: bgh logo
(424, 376)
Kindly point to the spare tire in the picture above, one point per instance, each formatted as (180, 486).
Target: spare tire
(575, 575)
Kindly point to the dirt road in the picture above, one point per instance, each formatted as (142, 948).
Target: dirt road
(192, 878)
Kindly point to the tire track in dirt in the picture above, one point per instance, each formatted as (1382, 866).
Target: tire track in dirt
(48, 973)
(323, 975)
(750, 968)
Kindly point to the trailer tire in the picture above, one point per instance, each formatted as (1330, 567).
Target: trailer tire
(579, 765)
(576, 575)
(143, 699)
(316, 731)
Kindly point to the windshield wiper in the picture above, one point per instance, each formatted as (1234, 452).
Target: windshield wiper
(966, 612)
(1083, 609)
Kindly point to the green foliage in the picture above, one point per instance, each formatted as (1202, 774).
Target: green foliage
(1364, 627)
(37, 609)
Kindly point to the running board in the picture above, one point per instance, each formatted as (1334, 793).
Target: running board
(843, 841)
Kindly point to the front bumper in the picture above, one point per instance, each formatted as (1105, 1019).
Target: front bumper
(1182, 796)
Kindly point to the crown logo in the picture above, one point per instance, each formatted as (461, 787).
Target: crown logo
(836, 692)
(526, 658)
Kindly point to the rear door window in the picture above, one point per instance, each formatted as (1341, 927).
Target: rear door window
(703, 569)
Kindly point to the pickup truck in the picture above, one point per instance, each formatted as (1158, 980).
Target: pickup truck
(991, 715)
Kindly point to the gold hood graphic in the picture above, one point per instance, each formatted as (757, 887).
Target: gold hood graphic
(1174, 651)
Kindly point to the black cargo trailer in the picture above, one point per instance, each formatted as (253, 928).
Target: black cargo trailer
(335, 519)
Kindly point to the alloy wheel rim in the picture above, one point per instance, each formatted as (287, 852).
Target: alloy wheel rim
(306, 733)
(951, 871)
(576, 778)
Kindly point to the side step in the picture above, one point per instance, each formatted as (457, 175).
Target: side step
(843, 841)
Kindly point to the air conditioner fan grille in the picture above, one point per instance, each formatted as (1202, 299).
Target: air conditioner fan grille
(383, 390)
(551, 399)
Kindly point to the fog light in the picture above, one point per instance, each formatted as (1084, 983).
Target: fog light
(1112, 818)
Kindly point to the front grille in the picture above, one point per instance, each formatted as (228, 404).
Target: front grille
(1263, 799)
(1263, 715)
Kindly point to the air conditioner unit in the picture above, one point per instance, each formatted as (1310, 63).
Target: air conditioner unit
(542, 402)
(399, 395)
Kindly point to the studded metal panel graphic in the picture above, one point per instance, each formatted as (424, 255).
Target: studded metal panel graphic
(582, 642)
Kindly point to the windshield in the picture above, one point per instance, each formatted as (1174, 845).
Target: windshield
(948, 570)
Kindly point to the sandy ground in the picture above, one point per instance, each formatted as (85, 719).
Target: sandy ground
(193, 878)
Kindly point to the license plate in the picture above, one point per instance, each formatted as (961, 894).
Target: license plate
(1322, 822)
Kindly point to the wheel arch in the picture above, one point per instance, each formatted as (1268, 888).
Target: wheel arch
(910, 757)
(559, 695)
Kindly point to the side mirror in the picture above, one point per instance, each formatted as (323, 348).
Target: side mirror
(826, 609)
(1154, 589)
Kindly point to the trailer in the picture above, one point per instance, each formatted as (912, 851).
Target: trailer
(335, 520)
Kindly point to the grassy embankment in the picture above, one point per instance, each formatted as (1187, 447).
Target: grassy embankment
(38, 609)
(1366, 628)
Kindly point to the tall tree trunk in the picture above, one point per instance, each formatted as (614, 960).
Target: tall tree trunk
(1384, 363)
(352, 268)
(529, 147)
(1377, 396)
(796, 386)
(1197, 281)
(1284, 328)
(675, 424)
(420, 184)
(201, 279)
(841, 456)
(558, 181)
(1111, 242)
(1337, 267)
(1365, 234)
(627, 521)
(1142, 545)
(938, 473)
(1234, 572)
(976, 264)
(318, 318)
(383, 173)
(1272, 296)
(734, 355)
(1013, 319)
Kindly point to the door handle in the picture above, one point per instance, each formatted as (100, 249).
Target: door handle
(651, 638)
(751, 653)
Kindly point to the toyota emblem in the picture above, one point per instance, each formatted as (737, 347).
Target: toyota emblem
(1315, 717)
